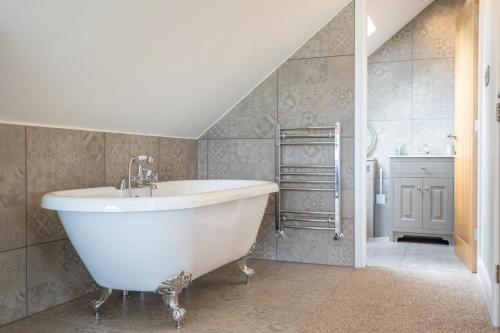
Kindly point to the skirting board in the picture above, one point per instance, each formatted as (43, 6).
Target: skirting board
(487, 288)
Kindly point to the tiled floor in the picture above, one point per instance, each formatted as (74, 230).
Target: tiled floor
(412, 255)
(281, 298)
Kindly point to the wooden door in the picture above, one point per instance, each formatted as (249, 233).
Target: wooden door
(437, 203)
(466, 75)
(408, 203)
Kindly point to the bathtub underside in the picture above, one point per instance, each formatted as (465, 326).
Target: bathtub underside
(170, 290)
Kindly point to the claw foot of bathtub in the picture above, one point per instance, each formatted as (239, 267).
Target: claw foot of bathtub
(242, 263)
(97, 303)
(170, 291)
(249, 272)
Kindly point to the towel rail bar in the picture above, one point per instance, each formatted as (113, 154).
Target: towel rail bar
(308, 174)
(283, 226)
(284, 219)
(309, 166)
(307, 189)
(309, 128)
(305, 136)
(306, 212)
(307, 143)
(308, 181)
(330, 170)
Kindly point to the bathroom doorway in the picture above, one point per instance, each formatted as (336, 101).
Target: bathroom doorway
(421, 149)
(382, 250)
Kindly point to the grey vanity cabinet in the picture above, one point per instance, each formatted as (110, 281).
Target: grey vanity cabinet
(437, 203)
(408, 203)
(422, 197)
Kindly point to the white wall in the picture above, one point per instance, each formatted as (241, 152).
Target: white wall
(488, 169)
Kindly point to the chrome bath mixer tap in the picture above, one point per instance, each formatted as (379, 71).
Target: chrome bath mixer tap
(144, 176)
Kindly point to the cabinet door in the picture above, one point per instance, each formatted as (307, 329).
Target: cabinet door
(408, 203)
(438, 203)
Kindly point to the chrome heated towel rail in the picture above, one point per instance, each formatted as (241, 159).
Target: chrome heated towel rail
(312, 177)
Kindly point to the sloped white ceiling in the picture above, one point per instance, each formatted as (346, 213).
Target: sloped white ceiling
(158, 67)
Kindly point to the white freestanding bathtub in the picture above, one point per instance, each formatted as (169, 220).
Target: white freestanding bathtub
(160, 243)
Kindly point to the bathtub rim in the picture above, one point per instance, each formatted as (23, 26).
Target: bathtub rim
(69, 201)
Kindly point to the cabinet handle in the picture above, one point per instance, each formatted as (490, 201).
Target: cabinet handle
(419, 188)
(422, 167)
(426, 188)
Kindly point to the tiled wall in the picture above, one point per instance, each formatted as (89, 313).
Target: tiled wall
(38, 266)
(411, 85)
(314, 87)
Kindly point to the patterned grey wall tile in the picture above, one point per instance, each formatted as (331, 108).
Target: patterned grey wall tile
(296, 250)
(389, 91)
(433, 133)
(307, 201)
(341, 255)
(335, 38)
(12, 285)
(317, 246)
(55, 275)
(178, 159)
(434, 30)
(347, 178)
(12, 187)
(317, 92)
(307, 154)
(202, 159)
(433, 89)
(389, 134)
(348, 230)
(241, 159)
(265, 247)
(398, 48)
(318, 201)
(59, 159)
(271, 204)
(253, 117)
(121, 147)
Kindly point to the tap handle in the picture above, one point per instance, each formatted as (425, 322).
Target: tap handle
(145, 159)
(123, 184)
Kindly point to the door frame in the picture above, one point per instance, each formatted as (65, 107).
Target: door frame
(489, 10)
(360, 132)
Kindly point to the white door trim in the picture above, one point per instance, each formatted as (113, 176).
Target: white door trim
(360, 134)
(488, 197)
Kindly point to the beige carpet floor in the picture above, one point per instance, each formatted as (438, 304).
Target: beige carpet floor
(384, 300)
